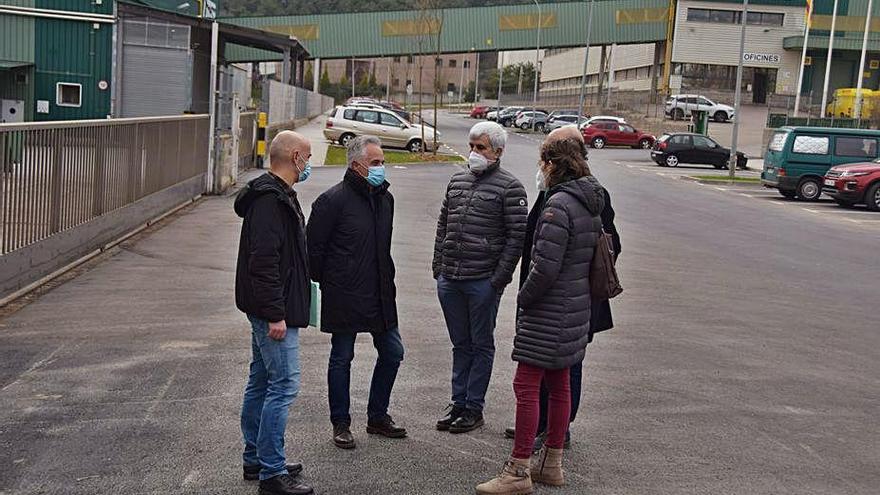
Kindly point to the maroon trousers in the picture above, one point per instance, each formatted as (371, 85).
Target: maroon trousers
(527, 388)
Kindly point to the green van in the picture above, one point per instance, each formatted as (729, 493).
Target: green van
(798, 157)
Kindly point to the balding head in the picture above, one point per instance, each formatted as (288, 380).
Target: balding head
(566, 131)
(288, 155)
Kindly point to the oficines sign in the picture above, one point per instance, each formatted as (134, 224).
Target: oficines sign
(771, 58)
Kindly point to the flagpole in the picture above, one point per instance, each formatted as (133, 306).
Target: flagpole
(800, 84)
(857, 114)
(828, 59)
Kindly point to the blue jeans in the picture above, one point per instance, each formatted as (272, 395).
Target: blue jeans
(272, 385)
(470, 308)
(390, 348)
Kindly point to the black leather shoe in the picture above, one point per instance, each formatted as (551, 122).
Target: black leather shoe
(469, 421)
(386, 428)
(453, 412)
(342, 437)
(252, 473)
(284, 485)
(510, 433)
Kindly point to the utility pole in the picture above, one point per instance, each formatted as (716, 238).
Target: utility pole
(731, 165)
(477, 80)
(461, 84)
(537, 65)
(828, 59)
(500, 76)
(857, 114)
(582, 99)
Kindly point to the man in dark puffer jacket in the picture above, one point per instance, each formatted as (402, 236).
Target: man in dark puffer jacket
(479, 240)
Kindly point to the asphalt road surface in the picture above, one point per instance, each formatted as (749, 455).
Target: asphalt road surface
(744, 360)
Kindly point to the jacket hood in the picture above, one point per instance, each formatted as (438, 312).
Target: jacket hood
(264, 184)
(587, 190)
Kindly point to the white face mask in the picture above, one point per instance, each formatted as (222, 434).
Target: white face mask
(540, 181)
(477, 163)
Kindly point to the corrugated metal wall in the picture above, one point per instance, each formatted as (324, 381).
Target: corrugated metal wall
(16, 38)
(505, 27)
(72, 52)
(89, 6)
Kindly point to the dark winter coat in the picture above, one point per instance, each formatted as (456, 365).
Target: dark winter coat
(600, 315)
(481, 227)
(349, 235)
(272, 273)
(553, 320)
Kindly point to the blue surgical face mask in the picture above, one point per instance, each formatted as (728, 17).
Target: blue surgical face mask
(306, 171)
(376, 175)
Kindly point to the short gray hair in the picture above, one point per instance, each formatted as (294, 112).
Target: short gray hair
(497, 135)
(357, 147)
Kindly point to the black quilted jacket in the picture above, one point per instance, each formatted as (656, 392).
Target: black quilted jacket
(481, 227)
(553, 321)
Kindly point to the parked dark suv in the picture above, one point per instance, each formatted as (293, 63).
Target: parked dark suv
(675, 148)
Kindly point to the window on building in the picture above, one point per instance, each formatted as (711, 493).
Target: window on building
(409, 59)
(765, 19)
(467, 64)
(397, 59)
(450, 87)
(720, 16)
(68, 94)
(810, 145)
(452, 63)
(856, 147)
(698, 15)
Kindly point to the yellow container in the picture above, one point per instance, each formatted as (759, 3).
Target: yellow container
(844, 103)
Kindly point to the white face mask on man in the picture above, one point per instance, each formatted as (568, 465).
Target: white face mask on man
(477, 163)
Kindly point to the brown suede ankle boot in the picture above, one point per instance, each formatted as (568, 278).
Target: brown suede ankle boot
(547, 467)
(513, 480)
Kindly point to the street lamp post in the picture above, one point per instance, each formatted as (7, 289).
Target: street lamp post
(500, 76)
(731, 164)
(583, 95)
(537, 58)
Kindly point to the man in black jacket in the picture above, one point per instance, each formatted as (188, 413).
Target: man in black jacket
(272, 288)
(600, 316)
(349, 236)
(479, 239)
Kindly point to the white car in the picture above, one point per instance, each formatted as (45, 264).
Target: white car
(602, 118)
(680, 106)
(493, 115)
(346, 123)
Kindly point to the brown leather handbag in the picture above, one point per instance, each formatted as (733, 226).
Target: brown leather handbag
(604, 283)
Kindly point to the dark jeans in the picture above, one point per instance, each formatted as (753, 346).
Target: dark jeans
(575, 375)
(470, 308)
(390, 348)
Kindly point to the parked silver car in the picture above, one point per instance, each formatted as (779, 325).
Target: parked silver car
(347, 122)
(555, 122)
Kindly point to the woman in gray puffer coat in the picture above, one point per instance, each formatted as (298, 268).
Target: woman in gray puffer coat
(553, 320)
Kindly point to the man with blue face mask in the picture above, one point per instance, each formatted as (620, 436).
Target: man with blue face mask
(480, 233)
(349, 238)
(272, 289)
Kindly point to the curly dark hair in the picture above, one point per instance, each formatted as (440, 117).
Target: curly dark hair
(564, 160)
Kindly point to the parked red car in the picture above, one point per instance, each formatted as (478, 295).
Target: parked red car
(479, 112)
(856, 183)
(604, 133)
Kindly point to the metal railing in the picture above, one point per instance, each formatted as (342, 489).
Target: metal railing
(58, 175)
